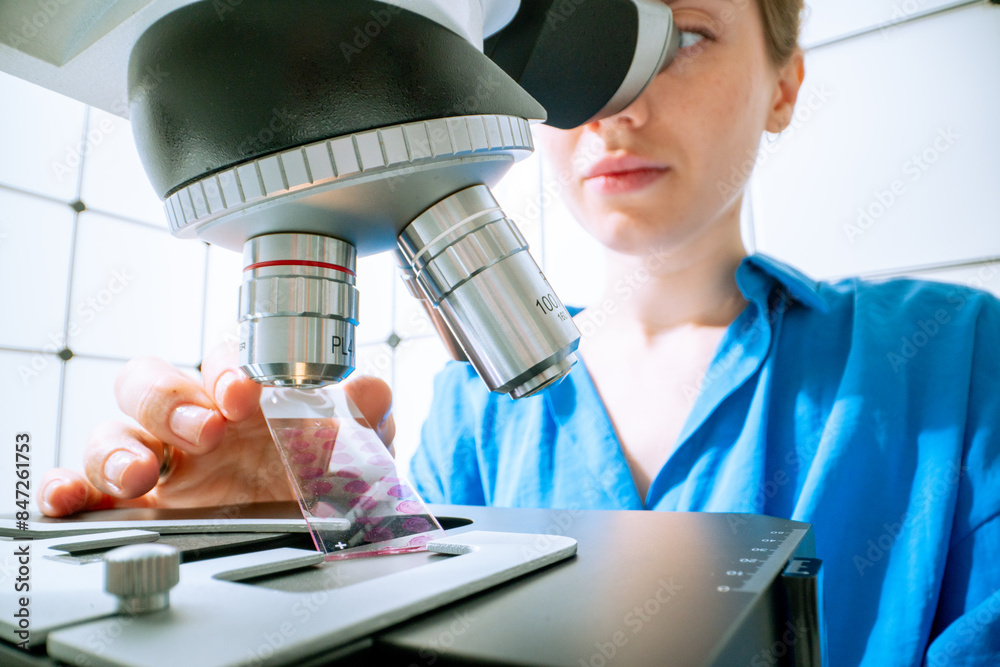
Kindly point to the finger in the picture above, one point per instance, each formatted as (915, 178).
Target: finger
(387, 432)
(65, 492)
(122, 461)
(170, 405)
(373, 398)
(235, 394)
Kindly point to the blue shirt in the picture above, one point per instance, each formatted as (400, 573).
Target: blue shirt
(870, 410)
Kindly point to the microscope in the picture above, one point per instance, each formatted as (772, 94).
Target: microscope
(308, 136)
(306, 133)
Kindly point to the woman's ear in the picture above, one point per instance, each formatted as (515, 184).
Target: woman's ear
(788, 83)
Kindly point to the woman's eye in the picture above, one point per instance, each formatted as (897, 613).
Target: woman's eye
(690, 38)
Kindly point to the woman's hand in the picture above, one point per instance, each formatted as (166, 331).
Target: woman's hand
(222, 450)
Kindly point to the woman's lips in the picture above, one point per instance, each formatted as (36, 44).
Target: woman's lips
(622, 174)
(624, 181)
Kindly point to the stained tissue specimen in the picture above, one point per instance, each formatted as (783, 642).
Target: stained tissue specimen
(341, 470)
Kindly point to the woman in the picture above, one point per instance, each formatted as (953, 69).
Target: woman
(709, 382)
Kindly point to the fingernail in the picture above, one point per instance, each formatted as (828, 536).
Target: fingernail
(47, 492)
(222, 385)
(385, 420)
(115, 465)
(187, 422)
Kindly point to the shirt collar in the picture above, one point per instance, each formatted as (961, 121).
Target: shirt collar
(758, 276)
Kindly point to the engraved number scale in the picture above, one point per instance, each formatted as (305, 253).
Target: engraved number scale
(747, 570)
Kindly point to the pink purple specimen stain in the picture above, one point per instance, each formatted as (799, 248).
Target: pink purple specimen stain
(341, 470)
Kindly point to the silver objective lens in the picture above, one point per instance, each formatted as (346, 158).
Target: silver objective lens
(298, 310)
(471, 263)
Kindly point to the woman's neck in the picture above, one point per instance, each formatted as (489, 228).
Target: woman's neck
(693, 285)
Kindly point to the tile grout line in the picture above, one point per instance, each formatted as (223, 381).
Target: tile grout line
(888, 25)
(62, 202)
(57, 450)
(204, 306)
(74, 240)
(105, 357)
(925, 268)
(133, 221)
(31, 193)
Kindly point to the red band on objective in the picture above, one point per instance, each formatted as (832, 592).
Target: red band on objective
(300, 262)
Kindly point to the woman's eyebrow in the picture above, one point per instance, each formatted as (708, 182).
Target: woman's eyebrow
(726, 2)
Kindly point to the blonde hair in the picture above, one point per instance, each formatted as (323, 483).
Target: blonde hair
(782, 20)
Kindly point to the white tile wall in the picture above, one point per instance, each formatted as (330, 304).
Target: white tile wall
(376, 360)
(574, 260)
(113, 177)
(410, 318)
(88, 400)
(984, 276)
(29, 403)
(892, 162)
(35, 251)
(869, 104)
(417, 362)
(222, 290)
(136, 291)
(40, 134)
(376, 282)
(831, 19)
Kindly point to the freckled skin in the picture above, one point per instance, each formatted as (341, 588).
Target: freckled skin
(703, 116)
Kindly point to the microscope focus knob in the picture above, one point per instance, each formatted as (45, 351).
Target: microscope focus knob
(141, 575)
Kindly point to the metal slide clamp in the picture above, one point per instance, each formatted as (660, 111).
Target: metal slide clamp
(141, 576)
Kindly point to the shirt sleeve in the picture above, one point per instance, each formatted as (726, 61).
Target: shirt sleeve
(445, 468)
(966, 630)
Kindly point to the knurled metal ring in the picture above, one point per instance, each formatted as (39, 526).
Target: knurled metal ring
(344, 157)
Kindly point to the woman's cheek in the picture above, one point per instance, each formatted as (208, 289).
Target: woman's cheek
(556, 146)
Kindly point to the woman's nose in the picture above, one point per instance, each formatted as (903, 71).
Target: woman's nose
(633, 116)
